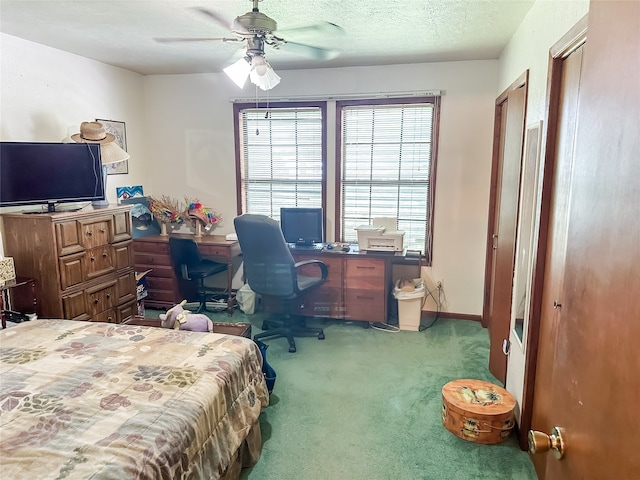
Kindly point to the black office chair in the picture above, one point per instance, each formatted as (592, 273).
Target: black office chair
(191, 270)
(270, 270)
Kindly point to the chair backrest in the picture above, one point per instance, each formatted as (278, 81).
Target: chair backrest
(268, 264)
(183, 251)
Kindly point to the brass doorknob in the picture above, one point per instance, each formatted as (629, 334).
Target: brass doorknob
(540, 442)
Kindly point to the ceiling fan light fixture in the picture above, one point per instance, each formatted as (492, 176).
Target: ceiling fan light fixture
(262, 74)
(239, 71)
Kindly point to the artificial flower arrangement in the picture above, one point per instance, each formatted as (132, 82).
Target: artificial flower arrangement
(203, 216)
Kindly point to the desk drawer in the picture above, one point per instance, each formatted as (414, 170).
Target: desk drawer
(162, 283)
(368, 305)
(162, 296)
(334, 266)
(365, 274)
(150, 260)
(213, 250)
(151, 247)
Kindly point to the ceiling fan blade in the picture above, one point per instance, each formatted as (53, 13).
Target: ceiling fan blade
(191, 39)
(223, 22)
(322, 28)
(310, 51)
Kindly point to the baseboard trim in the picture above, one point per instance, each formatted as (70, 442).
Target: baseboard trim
(454, 316)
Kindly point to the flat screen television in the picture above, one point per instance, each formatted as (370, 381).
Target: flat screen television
(33, 173)
(302, 225)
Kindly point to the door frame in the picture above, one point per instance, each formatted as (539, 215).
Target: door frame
(569, 42)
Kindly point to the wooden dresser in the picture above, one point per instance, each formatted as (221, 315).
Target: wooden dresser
(82, 261)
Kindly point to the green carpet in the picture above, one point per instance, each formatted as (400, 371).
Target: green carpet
(366, 404)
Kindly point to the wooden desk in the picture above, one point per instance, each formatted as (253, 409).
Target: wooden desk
(152, 252)
(27, 302)
(357, 287)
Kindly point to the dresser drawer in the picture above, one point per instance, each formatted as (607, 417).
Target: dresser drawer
(72, 268)
(75, 306)
(100, 298)
(126, 287)
(68, 238)
(123, 254)
(108, 316)
(99, 261)
(126, 312)
(95, 232)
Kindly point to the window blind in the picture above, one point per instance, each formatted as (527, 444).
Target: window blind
(281, 159)
(386, 168)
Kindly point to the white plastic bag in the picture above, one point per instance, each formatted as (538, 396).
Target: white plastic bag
(246, 299)
(418, 291)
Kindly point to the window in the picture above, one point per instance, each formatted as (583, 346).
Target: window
(387, 166)
(281, 156)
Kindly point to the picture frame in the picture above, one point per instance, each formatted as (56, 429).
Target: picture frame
(118, 130)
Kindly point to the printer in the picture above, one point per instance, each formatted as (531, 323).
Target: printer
(380, 237)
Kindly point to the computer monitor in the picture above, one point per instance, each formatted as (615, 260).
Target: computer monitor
(302, 225)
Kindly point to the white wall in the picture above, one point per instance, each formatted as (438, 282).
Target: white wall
(191, 147)
(544, 25)
(43, 91)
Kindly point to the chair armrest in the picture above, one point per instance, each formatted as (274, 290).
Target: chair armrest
(324, 271)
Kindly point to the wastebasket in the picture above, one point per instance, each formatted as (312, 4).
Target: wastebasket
(410, 299)
(246, 299)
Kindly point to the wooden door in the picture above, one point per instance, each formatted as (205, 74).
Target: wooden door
(587, 377)
(508, 141)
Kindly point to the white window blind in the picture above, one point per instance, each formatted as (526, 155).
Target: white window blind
(281, 153)
(386, 168)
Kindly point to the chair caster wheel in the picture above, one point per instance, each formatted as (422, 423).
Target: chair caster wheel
(292, 349)
(321, 336)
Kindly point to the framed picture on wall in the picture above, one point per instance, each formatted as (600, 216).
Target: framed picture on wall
(118, 130)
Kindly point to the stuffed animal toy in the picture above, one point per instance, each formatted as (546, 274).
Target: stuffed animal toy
(181, 319)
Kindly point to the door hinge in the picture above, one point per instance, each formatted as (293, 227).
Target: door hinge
(506, 346)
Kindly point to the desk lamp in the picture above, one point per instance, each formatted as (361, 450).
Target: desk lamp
(110, 151)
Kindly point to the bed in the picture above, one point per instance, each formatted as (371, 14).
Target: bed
(96, 400)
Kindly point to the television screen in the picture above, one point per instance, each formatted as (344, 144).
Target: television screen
(47, 173)
(302, 225)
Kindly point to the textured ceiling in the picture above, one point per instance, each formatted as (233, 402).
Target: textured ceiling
(377, 32)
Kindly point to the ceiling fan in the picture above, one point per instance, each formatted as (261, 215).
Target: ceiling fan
(255, 30)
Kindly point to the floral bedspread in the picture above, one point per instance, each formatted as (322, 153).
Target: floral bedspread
(96, 400)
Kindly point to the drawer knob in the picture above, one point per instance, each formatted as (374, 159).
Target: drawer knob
(96, 301)
(89, 233)
(93, 259)
(108, 295)
(104, 255)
